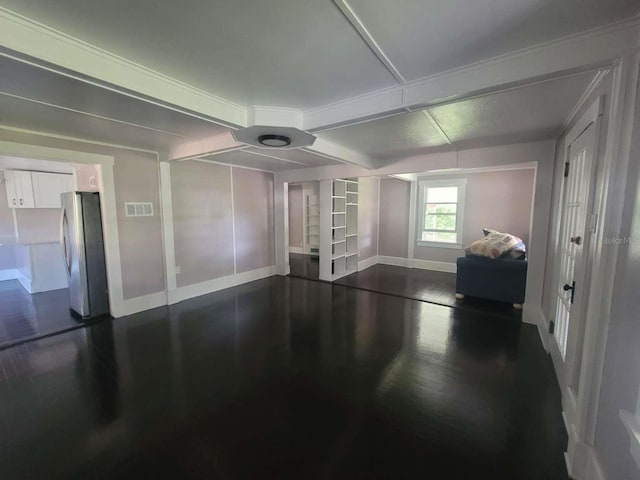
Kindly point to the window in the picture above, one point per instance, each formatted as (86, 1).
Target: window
(441, 211)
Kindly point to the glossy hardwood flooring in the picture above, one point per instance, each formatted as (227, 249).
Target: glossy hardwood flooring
(425, 285)
(24, 316)
(304, 266)
(284, 378)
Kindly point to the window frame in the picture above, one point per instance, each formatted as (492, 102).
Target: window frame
(423, 186)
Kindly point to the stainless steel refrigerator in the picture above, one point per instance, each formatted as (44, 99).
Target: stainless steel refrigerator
(83, 247)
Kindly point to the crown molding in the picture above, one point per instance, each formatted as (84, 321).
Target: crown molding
(585, 51)
(36, 40)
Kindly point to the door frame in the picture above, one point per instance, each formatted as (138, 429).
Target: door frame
(107, 206)
(591, 118)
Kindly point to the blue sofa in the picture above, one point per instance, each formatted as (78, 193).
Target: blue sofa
(501, 279)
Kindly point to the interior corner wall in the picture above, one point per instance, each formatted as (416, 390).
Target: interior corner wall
(394, 217)
(368, 201)
(296, 213)
(136, 177)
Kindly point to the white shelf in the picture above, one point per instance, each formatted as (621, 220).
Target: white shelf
(337, 241)
(338, 256)
(351, 254)
(352, 235)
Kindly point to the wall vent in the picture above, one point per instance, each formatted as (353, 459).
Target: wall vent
(138, 209)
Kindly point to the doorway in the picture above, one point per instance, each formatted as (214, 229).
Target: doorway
(34, 294)
(304, 229)
(575, 241)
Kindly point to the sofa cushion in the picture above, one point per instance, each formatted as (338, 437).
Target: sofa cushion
(496, 244)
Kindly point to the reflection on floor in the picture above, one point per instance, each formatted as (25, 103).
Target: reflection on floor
(304, 266)
(285, 378)
(25, 316)
(425, 285)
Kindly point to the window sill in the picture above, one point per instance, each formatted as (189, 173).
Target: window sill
(453, 246)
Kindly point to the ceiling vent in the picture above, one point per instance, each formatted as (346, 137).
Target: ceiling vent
(273, 137)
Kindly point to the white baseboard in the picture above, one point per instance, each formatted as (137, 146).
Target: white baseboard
(9, 274)
(296, 250)
(581, 459)
(418, 263)
(210, 286)
(368, 262)
(146, 302)
(25, 282)
(395, 261)
(433, 265)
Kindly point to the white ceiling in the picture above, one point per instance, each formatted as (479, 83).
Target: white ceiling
(37, 99)
(267, 159)
(305, 53)
(425, 37)
(527, 113)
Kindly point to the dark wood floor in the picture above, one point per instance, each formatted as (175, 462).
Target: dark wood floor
(24, 316)
(425, 285)
(304, 266)
(284, 378)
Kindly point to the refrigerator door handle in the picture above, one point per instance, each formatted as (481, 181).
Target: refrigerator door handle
(64, 239)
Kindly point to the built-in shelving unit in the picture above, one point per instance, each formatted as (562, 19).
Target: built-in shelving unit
(312, 224)
(338, 228)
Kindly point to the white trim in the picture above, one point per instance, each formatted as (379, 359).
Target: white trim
(25, 282)
(461, 184)
(216, 284)
(395, 261)
(435, 266)
(462, 171)
(299, 250)
(360, 28)
(418, 263)
(580, 52)
(587, 118)
(146, 302)
(75, 139)
(632, 425)
(582, 100)
(166, 207)
(107, 206)
(233, 224)
(9, 274)
(41, 42)
(378, 221)
(368, 262)
(413, 203)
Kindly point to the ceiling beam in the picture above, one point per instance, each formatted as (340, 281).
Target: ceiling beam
(223, 142)
(359, 27)
(600, 47)
(54, 48)
(332, 150)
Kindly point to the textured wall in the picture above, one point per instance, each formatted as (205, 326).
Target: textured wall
(202, 221)
(394, 217)
(296, 214)
(368, 216)
(253, 208)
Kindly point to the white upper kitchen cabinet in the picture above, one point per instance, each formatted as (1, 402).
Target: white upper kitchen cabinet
(47, 188)
(19, 189)
(36, 189)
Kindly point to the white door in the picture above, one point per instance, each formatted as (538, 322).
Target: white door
(575, 233)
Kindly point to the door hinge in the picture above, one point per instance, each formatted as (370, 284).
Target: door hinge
(566, 169)
(552, 326)
(594, 223)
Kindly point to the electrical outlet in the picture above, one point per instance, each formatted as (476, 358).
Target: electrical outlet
(177, 270)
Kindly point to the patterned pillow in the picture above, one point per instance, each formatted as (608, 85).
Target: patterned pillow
(496, 244)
